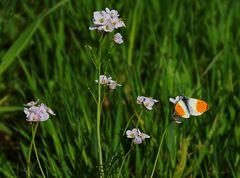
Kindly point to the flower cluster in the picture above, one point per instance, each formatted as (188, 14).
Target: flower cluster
(146, 101)
(107, 81)
(106, 20)
(37, 112)
(136, 135)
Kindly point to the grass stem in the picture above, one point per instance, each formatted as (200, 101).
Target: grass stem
(158, 153)
(34, 130)
(125, 157)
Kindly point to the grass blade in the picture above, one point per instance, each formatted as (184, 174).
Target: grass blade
(19, 44)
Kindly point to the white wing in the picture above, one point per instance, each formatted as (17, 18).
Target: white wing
(172, 100)
(192, 104)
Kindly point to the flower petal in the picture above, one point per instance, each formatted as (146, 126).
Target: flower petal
(137, 140)
(129, 134)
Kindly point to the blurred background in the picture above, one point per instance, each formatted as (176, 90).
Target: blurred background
(46, 52)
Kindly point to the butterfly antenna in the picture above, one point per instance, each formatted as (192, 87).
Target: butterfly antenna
(180, 91)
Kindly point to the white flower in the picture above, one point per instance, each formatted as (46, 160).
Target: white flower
(132, 133)
(37, 112)
(32, 114)
(140, 99)
(149, 102)
(32, 103)
(146, 101)
(112, 13)
(142, 135)
(112, 84)
(137, 140)
(104, 80)
(49, 110)
(117, 22)
(107, 20)
(118, 38)
(136, 135)
(107, 27)
(100, 18)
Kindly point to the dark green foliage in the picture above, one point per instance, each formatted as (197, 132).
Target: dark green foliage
(46, 52)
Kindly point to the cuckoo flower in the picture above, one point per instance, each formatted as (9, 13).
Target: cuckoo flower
(107, 81)
(146, 101)
(37, 112)
(103, 80)
(106, 20)
(136, 135)
(118, 38)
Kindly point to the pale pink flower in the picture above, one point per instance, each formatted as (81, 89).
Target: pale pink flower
(106, 20)
(118, 38)
(146, 101)
(37, 112)
(136, 135)
(107, 81)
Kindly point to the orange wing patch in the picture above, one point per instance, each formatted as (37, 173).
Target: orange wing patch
(180, 111)
(202, 106)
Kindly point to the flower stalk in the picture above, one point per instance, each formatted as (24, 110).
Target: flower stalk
(34, 130)
(104, 21)
(35, 112)
(99, 109)
(124, 159)
(38, 161)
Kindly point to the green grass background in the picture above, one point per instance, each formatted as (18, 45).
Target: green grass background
(46, 52)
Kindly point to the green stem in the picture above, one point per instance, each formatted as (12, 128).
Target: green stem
(99, 108)
(39, 164)
(98, 129)
(34, 130)
(125, 157)
(135, 114)
(158, 153)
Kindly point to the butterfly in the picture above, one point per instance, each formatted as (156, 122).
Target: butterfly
(184, 107)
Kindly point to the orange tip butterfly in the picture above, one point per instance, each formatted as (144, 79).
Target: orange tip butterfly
(184, 107)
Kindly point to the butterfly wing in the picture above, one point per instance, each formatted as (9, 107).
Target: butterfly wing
(181, 109)
(196, 107)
